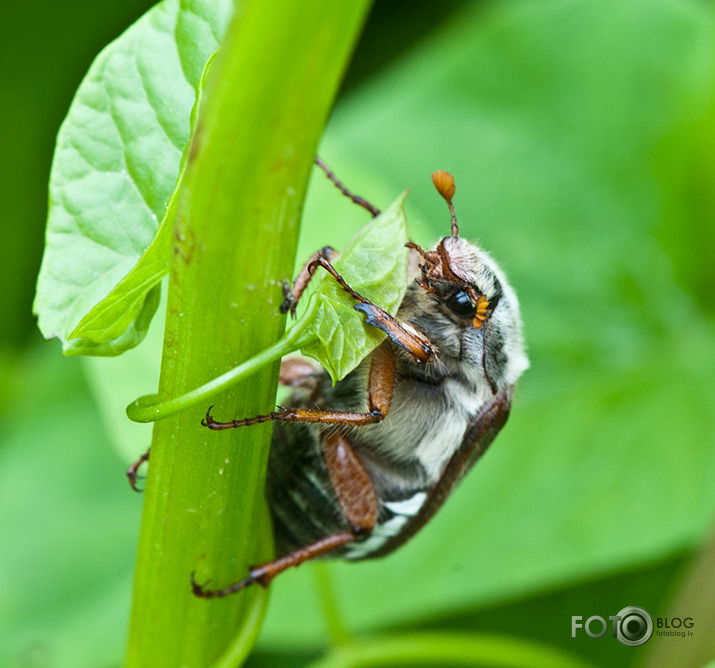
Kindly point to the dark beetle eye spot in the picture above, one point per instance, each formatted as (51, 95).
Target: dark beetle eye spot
(461, 304)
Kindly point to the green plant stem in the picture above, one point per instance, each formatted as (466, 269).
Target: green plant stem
(265, 103)
(337, 631)
(150, 409)
(448, 649)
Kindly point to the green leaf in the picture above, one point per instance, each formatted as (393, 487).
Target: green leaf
(120, 320)
(375, 266)
(116, 165)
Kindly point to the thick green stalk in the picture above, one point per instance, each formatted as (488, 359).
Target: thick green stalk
(266, 101)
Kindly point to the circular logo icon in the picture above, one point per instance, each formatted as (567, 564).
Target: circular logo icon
(635, 626)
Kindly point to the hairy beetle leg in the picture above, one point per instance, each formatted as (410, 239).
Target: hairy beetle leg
(263, 574)
(291, 295)
(201, 591)
(132, 470)
(352, 484)
(380, 385)
(312, 416)
(408, 338)
(360, 201)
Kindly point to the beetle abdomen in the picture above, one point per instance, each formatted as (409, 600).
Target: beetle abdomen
(302, 500)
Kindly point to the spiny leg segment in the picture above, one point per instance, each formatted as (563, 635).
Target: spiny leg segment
(132, 471)
(380, 385)
(360, 201)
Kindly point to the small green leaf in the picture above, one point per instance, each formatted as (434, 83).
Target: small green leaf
(116, 166)
(375, 266)
(128, 317)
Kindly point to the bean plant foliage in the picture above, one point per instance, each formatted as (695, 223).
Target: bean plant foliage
(580, 136)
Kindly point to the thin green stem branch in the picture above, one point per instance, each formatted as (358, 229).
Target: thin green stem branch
(150, 409)
(337, 630)
(434, 649)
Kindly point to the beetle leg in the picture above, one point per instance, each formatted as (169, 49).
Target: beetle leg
(360, 201)
(352, 484)
(380, 384)
(357, 497)
(404, 335)
(132, 470)
(292, 294)
(264, 573)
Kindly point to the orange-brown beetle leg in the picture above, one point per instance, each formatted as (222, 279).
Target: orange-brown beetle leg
(380, 384)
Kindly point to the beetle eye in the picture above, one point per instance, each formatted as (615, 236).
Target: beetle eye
(461, 304)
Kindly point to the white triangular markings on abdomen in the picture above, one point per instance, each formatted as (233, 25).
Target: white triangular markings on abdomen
(403, 510)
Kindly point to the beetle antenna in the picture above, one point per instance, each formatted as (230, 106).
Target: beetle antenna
(444, 182)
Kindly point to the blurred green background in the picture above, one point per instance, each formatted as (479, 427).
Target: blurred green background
(581, 138)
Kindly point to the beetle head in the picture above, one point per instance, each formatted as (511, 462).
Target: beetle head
(452, 270)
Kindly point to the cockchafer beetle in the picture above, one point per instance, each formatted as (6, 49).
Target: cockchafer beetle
(374, 457)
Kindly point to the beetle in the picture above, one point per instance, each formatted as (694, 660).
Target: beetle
(356, 469)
